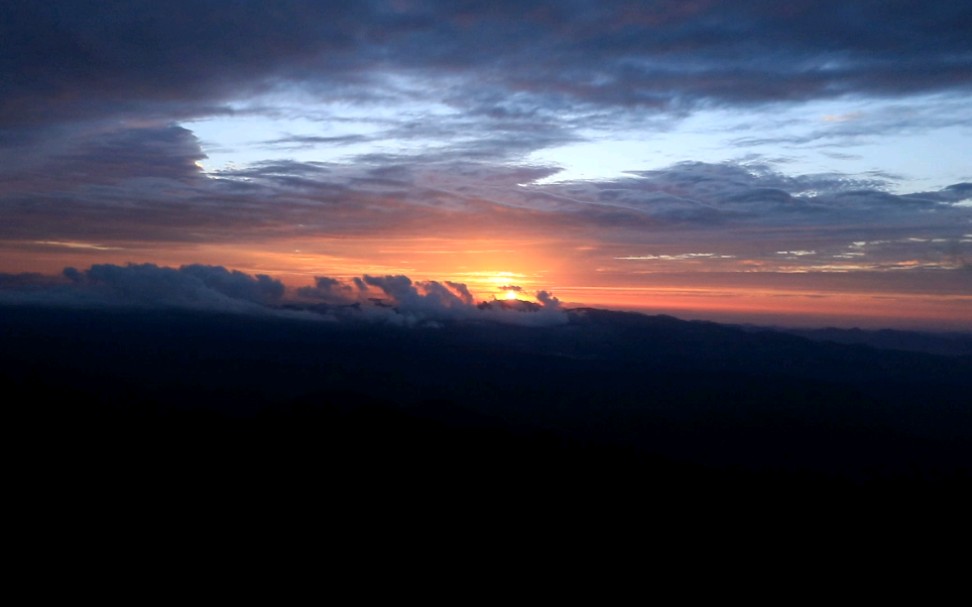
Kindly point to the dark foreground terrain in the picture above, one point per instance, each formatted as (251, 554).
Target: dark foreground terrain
(612, 411)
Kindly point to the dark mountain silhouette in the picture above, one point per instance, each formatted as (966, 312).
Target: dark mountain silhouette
(948, 344)
(617, 405)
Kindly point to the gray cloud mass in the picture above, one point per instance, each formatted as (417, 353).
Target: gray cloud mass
(68, 60)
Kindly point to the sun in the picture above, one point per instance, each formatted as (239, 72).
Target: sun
(510, 295)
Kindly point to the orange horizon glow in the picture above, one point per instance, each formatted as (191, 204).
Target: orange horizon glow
(573, 274)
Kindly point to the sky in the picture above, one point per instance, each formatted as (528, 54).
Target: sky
(797, 163)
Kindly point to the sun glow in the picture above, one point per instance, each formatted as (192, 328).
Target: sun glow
(510, 295)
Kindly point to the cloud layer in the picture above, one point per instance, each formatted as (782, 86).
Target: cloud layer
(65, 60)
(730, 212)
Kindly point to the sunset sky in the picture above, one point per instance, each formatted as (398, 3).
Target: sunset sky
(805, 162)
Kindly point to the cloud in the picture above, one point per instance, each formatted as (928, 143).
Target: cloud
(548, 301)
(415, 302)
(743, 211)
(71, 60)
(394, 299)
(237, 285)
(92, 157)
(461, 290)
(294, 142)
(195, 287)
(330, 291)
(697, 194)
(399, 300)
(81, 60)
(421, 300)
(26, 281)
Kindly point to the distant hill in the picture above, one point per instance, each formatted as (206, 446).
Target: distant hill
(947, 344)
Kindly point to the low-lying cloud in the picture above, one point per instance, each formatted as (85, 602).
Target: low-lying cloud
(397, 299)
(192, 287)
(392, 299)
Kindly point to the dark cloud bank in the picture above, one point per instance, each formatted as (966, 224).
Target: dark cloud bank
(68, 60)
